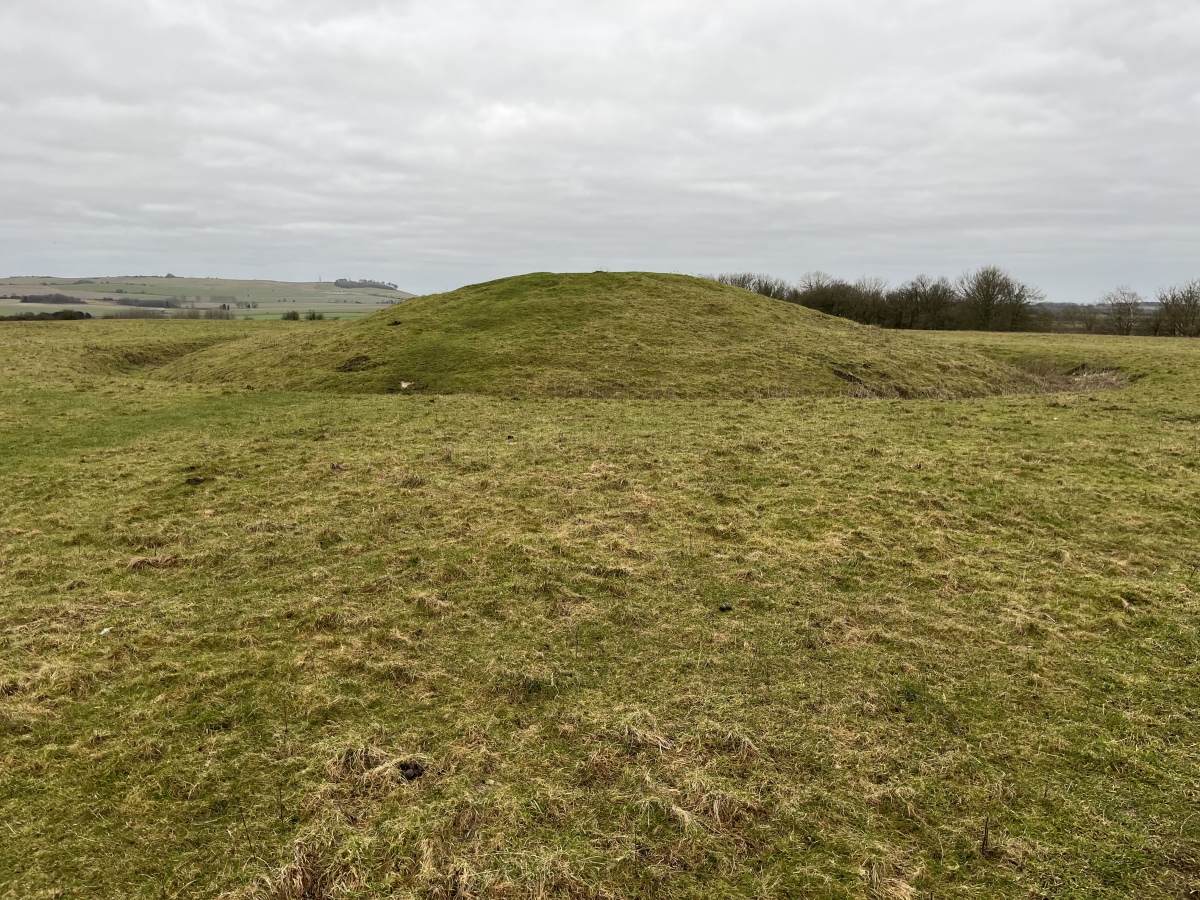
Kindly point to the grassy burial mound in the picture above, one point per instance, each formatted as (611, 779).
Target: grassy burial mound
(616, 335)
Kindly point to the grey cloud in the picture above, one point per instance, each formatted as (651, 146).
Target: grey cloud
(439, 143)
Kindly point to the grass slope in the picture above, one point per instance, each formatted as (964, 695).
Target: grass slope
(625, 335)
(638, 649)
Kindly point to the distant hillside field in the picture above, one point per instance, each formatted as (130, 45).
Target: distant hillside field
(609, 335)
(258, 299)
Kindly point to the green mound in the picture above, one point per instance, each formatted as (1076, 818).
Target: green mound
(619, 335)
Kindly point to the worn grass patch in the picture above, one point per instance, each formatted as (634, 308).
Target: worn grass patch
(267, 644)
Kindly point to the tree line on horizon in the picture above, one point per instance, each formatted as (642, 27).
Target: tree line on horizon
(986, 299)
(62, 315)
(365, 283)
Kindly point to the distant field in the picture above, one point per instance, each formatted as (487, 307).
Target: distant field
(273, 298)
(319, 644)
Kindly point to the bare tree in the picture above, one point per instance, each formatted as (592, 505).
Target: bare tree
(767, 285)
(995, 301)
(1089, 316)
(1121, 307)
(1068, 317)
(921, 303)
(1179, 309)
(871, 294)
(862, 302)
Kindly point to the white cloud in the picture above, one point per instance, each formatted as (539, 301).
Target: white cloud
(436, 143)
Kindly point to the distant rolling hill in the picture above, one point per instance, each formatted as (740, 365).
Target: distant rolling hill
(255, 299)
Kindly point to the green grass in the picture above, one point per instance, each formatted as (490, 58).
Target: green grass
(273, 298)
(942, 613)
(612, 335)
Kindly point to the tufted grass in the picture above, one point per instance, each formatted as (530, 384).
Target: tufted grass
(286, 644)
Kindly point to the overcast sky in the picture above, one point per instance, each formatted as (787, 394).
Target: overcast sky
(440, 142)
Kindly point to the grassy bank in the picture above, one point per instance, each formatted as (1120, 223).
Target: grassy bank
(293, 644)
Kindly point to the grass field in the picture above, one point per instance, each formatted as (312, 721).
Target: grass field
(268, 643)
(271, 298)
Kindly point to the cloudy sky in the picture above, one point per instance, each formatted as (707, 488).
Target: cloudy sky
(439, 142)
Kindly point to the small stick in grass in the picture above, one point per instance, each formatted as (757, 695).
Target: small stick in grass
(246, 831)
